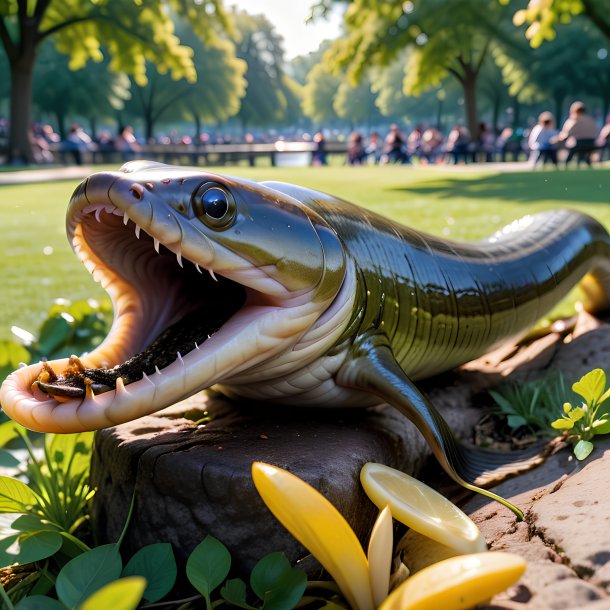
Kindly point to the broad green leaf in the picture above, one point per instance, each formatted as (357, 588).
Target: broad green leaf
(516, 421)
(8, 460)
(582, 449)
(25, 548)
(9, 431)
(71, 450)
(208, 565)
(562, 424)
(267, 572)
(505, 406)
(123, 594)
(39, 602)
(287, 591)
(156, 563)
(591, 386)
(576, 414)
(55, 331)
(602, 425)
(15, 496)
(234, 592)
(32, 523)
(87, 573)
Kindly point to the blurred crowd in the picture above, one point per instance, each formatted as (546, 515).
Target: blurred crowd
(580, 138)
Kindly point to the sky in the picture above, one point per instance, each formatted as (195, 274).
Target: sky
(288, 17)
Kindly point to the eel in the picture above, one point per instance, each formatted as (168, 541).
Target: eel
(277, 293)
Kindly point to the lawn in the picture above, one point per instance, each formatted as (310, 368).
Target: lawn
(38, 266)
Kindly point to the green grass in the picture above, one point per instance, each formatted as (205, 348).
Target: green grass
(461, 204)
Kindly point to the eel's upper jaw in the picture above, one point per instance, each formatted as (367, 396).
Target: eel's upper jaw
(150, 292)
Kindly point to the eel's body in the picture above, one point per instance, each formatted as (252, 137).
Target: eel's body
(327, 304)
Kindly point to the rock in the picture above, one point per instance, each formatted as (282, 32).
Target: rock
(194, 479)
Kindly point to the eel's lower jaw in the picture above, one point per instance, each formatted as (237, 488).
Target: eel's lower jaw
(250, 337)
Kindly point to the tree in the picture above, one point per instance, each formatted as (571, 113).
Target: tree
(318, 94)
(566, 67)
(260, 47)
(356, 105)
(215, 95)
(131, 31)
(93, 91)
(377, 32)
(542, 17)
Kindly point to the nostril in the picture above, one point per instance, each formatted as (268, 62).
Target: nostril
(137, 191)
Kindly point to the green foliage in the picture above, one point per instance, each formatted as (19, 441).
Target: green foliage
(157, 564)
(122, 594)
(581, 424)
(532, 404)
(70, 328)
(208, 566)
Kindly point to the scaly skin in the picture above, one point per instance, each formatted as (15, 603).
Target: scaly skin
(342, 307)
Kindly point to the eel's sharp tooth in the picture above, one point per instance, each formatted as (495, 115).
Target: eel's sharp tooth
(89, 395)
(138, 231)
(198, 268)
(157, 370)
(156, 243)
(147, 378)
(212, 274)
(120, 386)
(196, 346)
(125, 218)
(179, 357)
(179, 258)
(97, 214)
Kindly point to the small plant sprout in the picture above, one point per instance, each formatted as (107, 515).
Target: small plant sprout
(581, 424)
(454, 584)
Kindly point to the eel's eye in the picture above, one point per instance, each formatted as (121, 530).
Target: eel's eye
(214, 206)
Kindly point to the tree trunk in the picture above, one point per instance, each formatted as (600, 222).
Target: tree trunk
(60, 117)
(516, 113)
(92, 126)
(495, 117)
(149, 126)
(469, 85)
(197, 121)
(19, 143)
(439, 115)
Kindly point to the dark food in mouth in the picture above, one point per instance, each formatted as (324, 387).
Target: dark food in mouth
(176, 341)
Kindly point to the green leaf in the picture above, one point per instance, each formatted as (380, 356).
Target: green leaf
(25, 548)
(505, 406)
(8, 460)
(9, 431)
(267, 572)
(234, 592)
(123, 594)
(582, 449)
(15, 496)
(156, 563)
(562, 424)
(72, 450)
(591, 386)
(87, 573)
(576, 414)
(287, 591)
(602, 425)
(32, 523)
(55, 331)
(39, 602)
(208, 565)
(516, 421)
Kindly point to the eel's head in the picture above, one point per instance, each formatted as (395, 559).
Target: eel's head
(210, 278)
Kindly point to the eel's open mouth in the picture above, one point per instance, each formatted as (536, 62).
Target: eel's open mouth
(189, 313)
(183, 304)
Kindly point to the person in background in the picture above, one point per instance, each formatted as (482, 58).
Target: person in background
(126, 142)
(77, 142)
(355, 149)
(458, 142)
(394, 147)
(542, 140)
(432, 144)
(579, 133)
(319, 154)
(603, 139)
(487, 143)
(374, 148)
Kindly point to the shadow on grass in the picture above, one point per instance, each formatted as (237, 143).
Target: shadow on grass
(576, 186)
